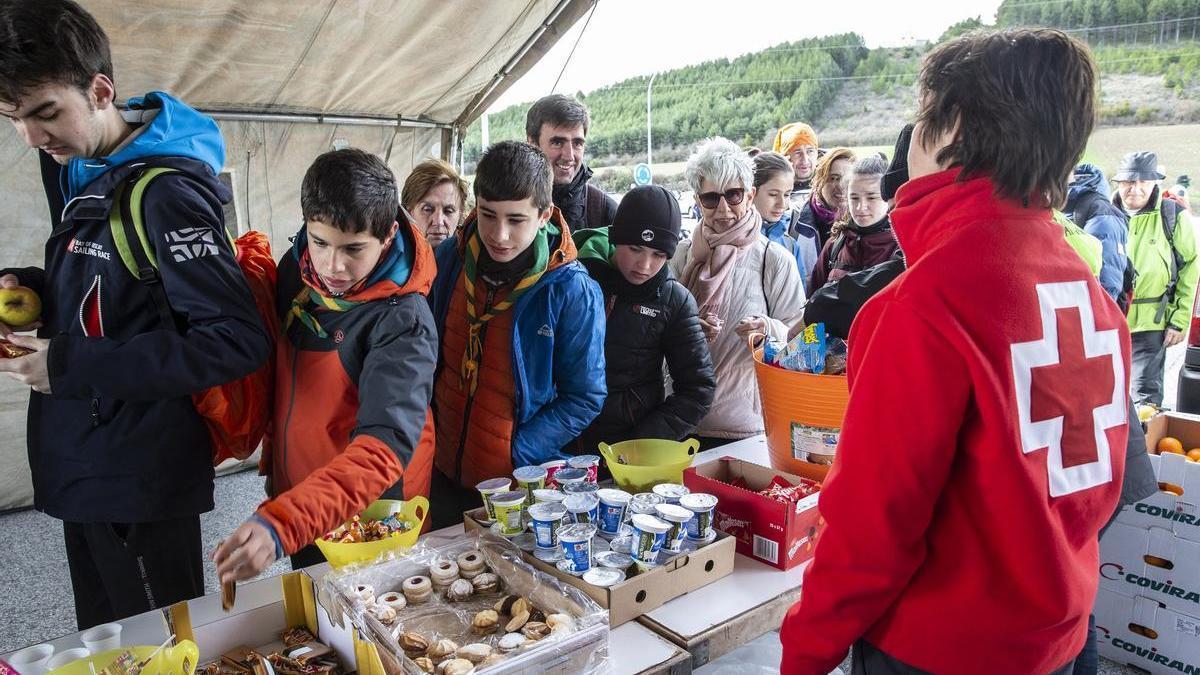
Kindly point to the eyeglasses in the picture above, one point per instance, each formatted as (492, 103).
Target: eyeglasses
(733, 197)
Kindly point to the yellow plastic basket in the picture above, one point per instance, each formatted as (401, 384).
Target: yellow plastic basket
(181, 658)
(640, 464)
(414, 510)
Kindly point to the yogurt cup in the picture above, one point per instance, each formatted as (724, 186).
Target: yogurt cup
(580, 488)
(615, 560)
(670, 492)
(699, 528)
(508, 507)
(582, 508)
(552, 468)
(591, 463)
(489, 487)
(576, 543)
(678, 518)
(613, 505)
(567, 476)
(546, 519)
(649, 533)
(530, 478)
(604, 576)
(548, 496)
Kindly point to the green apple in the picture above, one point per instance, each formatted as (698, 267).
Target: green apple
(19, 306)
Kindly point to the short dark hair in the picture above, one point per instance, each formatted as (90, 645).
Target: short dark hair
(1025, 103)
(768, 165)
(49, 42)
(510, 171)
(556, 110)
(351, 190)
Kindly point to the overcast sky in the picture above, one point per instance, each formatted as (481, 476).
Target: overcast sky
(627, 38)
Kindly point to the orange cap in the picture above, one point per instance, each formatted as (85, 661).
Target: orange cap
(794, 135)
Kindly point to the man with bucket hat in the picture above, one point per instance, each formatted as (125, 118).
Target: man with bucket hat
(1162, 249)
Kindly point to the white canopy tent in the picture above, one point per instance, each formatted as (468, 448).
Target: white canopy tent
(287, 81)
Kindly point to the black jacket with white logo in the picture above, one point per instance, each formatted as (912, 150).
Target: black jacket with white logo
(119, 439)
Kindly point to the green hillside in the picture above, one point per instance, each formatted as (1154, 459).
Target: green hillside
(1148, 54)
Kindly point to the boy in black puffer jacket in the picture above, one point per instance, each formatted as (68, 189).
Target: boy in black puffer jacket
(651, 316)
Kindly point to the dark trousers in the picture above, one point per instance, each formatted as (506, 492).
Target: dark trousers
(120, 570)
(1149, 362)
(866, 659)
(307, 557)
(448, 501)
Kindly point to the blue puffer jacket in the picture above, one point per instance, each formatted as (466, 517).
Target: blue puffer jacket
(801, 242)
(557, 353)
(1089, 208)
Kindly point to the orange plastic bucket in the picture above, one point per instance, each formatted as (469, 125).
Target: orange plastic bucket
(802, 413)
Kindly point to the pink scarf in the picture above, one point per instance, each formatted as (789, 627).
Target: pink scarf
(713, 257)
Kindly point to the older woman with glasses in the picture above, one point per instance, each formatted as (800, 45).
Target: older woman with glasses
(743, 284)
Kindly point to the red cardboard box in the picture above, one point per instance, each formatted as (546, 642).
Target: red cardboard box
(778, 534)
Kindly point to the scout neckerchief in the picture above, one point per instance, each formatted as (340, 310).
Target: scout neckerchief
(310, 296)
(478, 316)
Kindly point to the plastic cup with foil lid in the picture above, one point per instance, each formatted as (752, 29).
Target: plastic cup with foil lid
(582, 508)
(649, 534)
(530, 478)
(699, 528)
(552, 468)
(489, 487)
(590, 463)
(604, 576)
(548, 496)
(576, 543)
(547, 518)
(615, 560)
(670, 492)
(567, 476)
(613, 505)
(508, 507)
(678, 518)
(577, 488)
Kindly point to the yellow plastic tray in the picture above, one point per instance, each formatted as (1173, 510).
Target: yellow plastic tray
(648, 462)
(178, 660)
(414, 510)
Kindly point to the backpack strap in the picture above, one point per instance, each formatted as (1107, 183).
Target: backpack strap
(594, 207)
(1170, 218)
(126, 221)
(835, 251)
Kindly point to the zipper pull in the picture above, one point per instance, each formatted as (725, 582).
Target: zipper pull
(95, 412)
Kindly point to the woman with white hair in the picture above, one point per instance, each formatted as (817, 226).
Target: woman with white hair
(743, 284)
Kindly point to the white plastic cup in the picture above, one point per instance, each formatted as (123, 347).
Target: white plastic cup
(69, 656)
(678, 517)
(32, 660)
(613, 505)
(699, 528)
(102, 638)
(649, 535)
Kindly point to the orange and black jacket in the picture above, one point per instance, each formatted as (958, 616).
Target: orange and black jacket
(351, 420)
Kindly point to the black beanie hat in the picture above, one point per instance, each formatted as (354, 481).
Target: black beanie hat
(647, 216)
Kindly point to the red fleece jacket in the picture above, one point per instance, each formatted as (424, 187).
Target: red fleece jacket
(982, 449)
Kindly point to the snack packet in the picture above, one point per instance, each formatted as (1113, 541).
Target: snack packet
(806, 352)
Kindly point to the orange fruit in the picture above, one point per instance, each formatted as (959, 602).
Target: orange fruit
(1170, 444)
(1193, 455)
(1173, 489)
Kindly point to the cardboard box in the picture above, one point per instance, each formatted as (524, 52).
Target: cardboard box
(263, 610)
(1176, 513)
(778, 534)
(1139, 632)
(1153, 563)
(640, 594)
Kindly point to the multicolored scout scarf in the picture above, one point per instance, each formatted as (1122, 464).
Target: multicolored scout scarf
(477, 316)
(309, 295)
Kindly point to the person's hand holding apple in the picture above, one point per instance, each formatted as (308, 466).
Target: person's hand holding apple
(20, 309)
